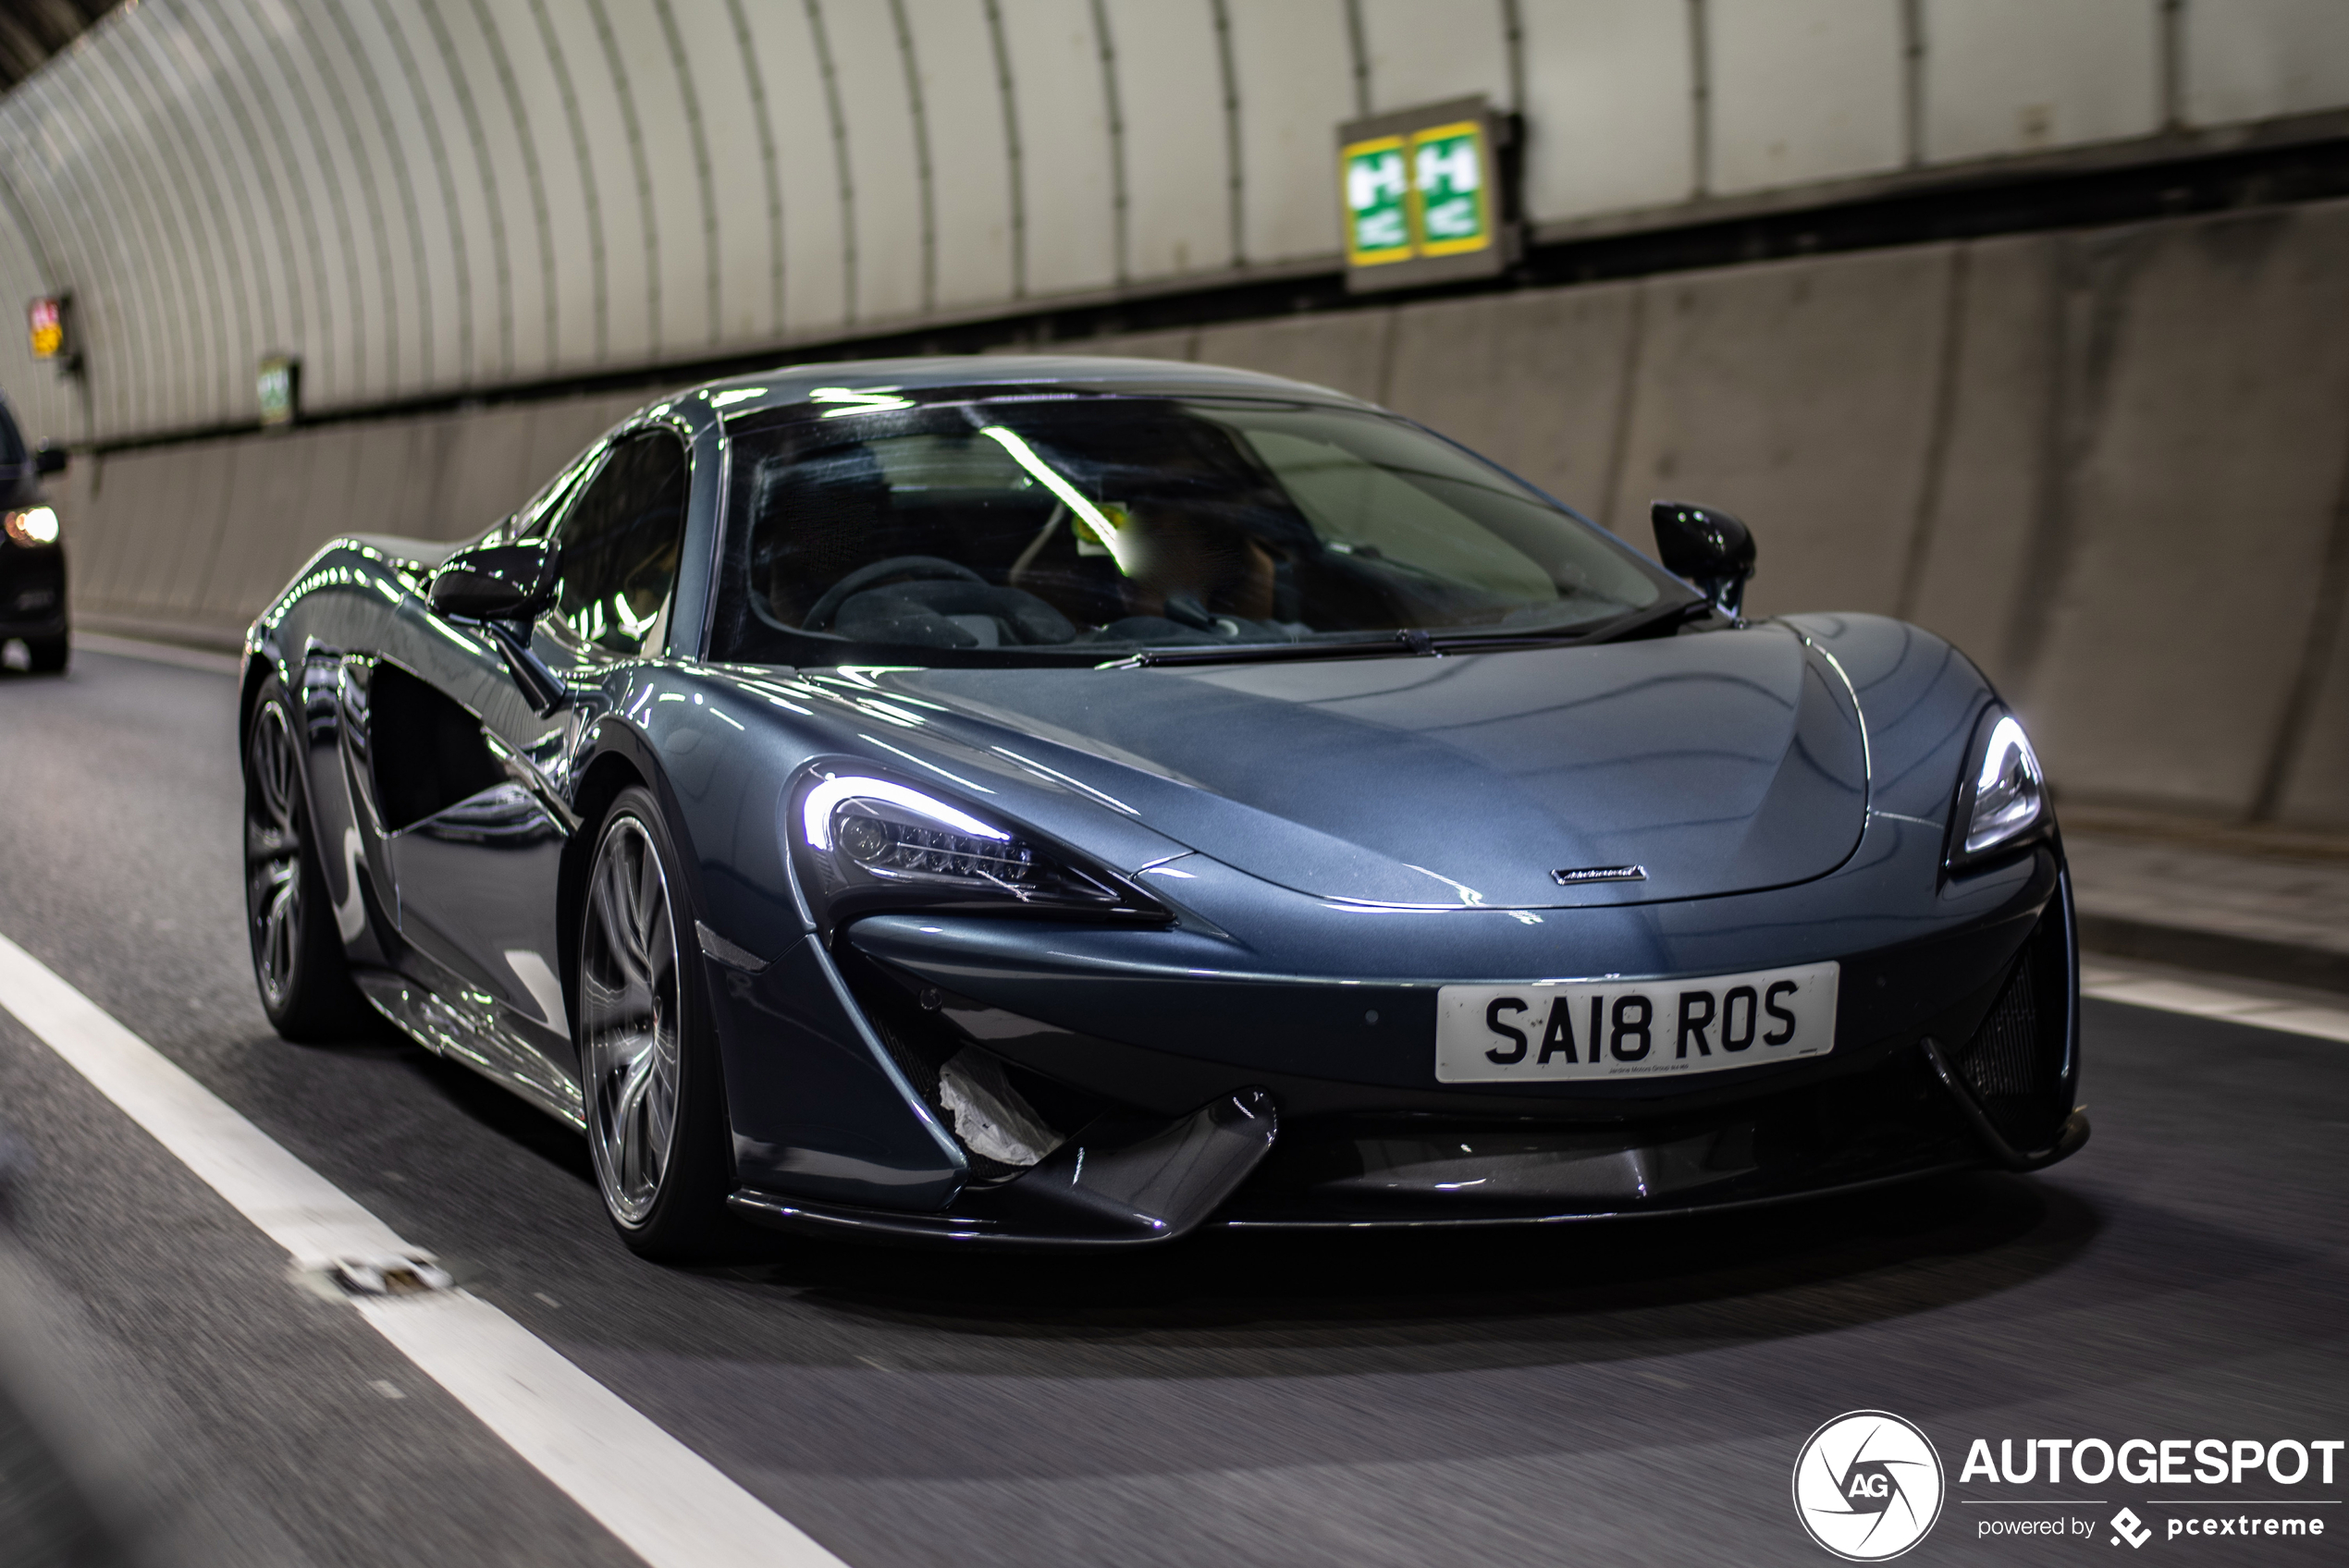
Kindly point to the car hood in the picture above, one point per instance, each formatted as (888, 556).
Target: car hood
(1717, 762)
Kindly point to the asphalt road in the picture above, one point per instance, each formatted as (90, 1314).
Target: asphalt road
(1633, 1394)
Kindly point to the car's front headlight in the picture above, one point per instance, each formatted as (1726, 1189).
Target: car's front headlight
(31, 525)
(863, 841)
(2003, 799)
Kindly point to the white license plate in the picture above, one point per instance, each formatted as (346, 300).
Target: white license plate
(1572, 1029)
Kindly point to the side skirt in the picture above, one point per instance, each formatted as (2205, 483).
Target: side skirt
(446, 1030)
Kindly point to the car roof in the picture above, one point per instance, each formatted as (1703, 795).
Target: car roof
(789, 385)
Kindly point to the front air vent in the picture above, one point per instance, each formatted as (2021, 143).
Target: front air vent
(2014, 1063)
(429, 753)
(1005, 1119)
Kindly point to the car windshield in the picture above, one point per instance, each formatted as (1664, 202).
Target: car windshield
(1027, 527)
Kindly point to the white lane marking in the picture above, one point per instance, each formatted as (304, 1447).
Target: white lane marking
(2213, 1001)
(666, 1502)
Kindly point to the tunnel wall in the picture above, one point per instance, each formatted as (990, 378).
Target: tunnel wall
(429, 201)
(2113, 465)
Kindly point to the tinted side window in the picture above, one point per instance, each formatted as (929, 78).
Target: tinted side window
(11, 443)
(619, 544)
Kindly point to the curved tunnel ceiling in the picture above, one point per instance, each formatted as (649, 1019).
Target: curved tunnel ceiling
(422, 197)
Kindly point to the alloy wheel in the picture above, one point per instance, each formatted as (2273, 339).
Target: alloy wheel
(272, 855)
(630, 1021)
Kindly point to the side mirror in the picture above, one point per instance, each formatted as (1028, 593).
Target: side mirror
(1709, 547)
(497, 582)
(48, 457)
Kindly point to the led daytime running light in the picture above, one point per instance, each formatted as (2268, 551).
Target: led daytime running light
(2010, 795)
(816, 811)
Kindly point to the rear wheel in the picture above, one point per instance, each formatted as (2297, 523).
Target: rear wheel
(656, 1118)
(47, 655)
(297, 960)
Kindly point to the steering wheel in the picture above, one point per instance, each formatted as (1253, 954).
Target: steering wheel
(896, 568)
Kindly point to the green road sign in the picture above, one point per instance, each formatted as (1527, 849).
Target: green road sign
(1426, 195)
(1447, 169)
(1378, 226)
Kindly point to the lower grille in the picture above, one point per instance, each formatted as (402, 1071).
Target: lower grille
(2014, 1063)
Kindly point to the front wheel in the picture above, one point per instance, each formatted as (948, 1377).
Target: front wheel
(298, 961)
(655, 1117)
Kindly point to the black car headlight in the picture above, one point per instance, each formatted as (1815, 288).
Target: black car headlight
(2002, 799)
(31, 525)
(863, 842)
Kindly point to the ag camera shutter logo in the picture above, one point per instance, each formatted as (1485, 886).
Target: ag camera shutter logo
(1868, 1486)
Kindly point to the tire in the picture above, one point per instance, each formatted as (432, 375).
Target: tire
(48, 655)
(298, 961)
(648, 1069)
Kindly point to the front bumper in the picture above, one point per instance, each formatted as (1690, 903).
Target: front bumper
(1252, 1101)
(32, 590)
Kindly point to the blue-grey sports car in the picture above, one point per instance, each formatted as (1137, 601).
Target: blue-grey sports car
(1075, 801)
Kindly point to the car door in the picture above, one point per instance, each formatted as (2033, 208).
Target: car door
(478, 872)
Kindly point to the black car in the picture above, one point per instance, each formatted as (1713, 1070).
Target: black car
(32, 555)
(1073, 801)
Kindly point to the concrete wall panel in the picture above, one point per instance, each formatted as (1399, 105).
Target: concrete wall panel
(622, 328)
(560, 432)
(885, 160)
(262, 542)
(2209, 411)
(1804, 90)
(2251, 59)
(1178, 152)
(487, 473)
(387, 477)
(748, 209)
(1178, 345)
(815, 270)
(448, 312)
(455, 196)
(667, 119)
(1983, 501)
(1416, 59)
(1609, 123)
(448, 100)
(96, 525)
(135, 484)
(1348, 351)
(181, 527)
(567, 304)
(1297, 87)
(323, 510)
(2016, 76)
(1534, 380)
(970, 164)
(1065, 144)
(2316, 788)
(1799, 396)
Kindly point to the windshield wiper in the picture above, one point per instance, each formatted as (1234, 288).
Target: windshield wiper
(1653, 622)
(1411, 644)
(1415, 642)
